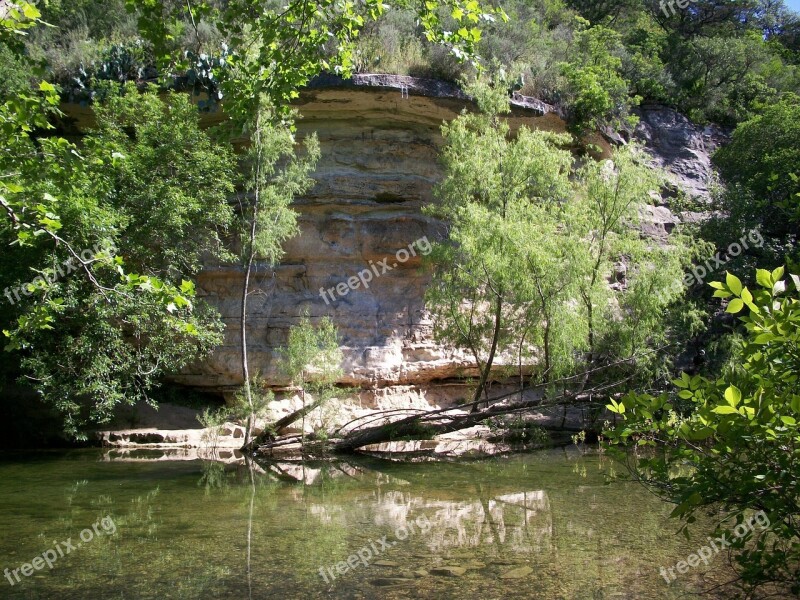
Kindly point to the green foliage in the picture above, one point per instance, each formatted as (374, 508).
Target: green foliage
(644, 60)
(715, 60)
(104, 335)
(312, 361)
(17, 18)
(762, 165)
(502, 199)
(595, 93)
(312, 357)
(262, 396)
(275, 49)
(531, 246)
(610, 202)
(733, 445)
(170, 180)
(275, 177)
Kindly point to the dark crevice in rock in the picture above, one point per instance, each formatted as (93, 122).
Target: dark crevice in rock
(389, 198)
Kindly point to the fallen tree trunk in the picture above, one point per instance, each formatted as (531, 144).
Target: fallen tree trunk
(437, 422)
(431, 424)
(269, 434)
(428, 424)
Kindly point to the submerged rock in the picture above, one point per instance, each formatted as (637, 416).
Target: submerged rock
(390, 581)
(421, 573)
(448, 571)
(517, 573)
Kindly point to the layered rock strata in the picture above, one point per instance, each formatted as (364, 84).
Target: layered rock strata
(380, 136)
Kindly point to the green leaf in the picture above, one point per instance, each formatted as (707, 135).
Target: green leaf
(733, 283)
(733, 395)
(725, 410)
(764, 279)
(764, 338)
(734, 306)
(777, 274)
(187, 287)
(30, 11)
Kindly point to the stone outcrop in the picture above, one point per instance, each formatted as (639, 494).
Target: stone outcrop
(380, 138)
(680, 147)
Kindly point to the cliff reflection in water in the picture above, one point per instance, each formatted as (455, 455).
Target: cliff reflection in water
(543, 525)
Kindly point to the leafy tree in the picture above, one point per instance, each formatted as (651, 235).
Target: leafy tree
(276, 176)
(723, 78)
(312, 360)
(596, 94)
(495, 189)
(645, 43)
(171, 181)
(104, 335)
(525, 270)
(608, 207)
(762, 166)
(730, 446)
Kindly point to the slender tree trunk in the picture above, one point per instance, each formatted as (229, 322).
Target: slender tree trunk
(547, 324)
(243, 323)
(587, 299)
(547, 365)
(304, 412)
(251, 255)
(498, 317)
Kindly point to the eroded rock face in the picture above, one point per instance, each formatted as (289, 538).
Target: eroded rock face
(380, 138)
(379, 164)
(680, 147)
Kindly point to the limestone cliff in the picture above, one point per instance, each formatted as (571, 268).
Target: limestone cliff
(380, 136)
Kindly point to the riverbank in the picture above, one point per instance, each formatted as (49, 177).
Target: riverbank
(178, 428)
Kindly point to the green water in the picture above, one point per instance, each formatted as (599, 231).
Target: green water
(181, 529)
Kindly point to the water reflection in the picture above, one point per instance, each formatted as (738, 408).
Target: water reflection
(537, 526)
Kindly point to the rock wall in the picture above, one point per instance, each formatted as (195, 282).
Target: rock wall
(380, 137)
(680, 147)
